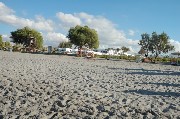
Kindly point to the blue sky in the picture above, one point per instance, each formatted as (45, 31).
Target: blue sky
(118, 22)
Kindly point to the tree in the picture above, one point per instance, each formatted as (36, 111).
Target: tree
(109, 49)
(81, 36)
(141, 51)
(25, 36)
(156, 44)
(7, 44)
(1, 42)
(118, 49)
(160, 44)
(65, 45)
(145, 43)
(17, 47)
(125, 49)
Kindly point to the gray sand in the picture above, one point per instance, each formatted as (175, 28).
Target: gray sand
(53, 86)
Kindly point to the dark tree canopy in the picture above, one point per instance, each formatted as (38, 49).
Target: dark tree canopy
(145, 43)
(160, 44)
(156, 44)
(1, 42)
(125, 49)
(141, 51)
(65, 45)
(118, 49)
(81, 36)
(25, 35)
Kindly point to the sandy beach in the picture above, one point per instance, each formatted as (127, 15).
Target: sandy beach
(58, 86)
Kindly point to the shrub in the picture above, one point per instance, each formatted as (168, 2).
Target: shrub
(165, 59)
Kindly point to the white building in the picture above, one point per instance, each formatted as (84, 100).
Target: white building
(62, 50)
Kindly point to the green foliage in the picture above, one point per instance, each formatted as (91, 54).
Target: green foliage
(17, 47)
(7, 44)
(80, 36)
(145, 43)
(4, 45)
(133, 58)
(125, 57)
(159, 59)
(65, 45)
(24, 35)
(125, 49)
(1, 42)
(142, 51)
(160, 44)
(165, 59)
(109, 49)
(156, 44)
(118, 49)
(43, 49)
(1, 39)
(101, 56)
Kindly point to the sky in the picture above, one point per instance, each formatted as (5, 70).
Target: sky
(117, 22)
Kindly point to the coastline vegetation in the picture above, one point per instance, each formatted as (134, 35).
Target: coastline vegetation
(30, 40)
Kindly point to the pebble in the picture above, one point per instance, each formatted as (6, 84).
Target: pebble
(52, 86)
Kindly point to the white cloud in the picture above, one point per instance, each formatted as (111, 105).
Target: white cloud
(68, 20)
(176, 44)
(8, 16)
(6, 38)
(109, 35)
(131, 32)
(5, 10)
(85, 16)
(43, 24)
(52, 38)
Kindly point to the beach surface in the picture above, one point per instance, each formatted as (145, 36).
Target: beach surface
(58, 86)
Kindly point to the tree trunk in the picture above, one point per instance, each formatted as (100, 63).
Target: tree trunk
(80, 51)
(155, 58)
(146, 55)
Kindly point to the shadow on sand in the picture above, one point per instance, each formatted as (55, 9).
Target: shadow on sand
(153, 72)
(45, 53)
(148, 92)
(163, 84)
(142, 71)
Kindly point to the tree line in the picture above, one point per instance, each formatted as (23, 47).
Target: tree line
(155, 44)
(4, 44)
(80, 36)
(27, 37)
